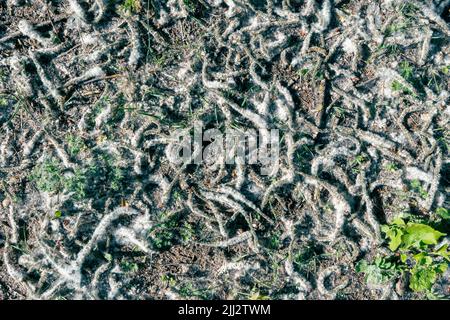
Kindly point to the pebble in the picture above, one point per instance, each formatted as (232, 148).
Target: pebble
(6, 202)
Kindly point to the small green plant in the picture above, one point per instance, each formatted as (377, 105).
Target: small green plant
(397, 27)
(381, 271)
(129, 266)
(116, 177)
(446, 70)
(170, 231)
(191, 5)
(3, 102)
(47, 176)
(397, 86)
(75, 145)
(308, 259)
(132, 6)
(410, 235)
(195, 8)
(189, 290)
(415, 252)
(389, 49)
(82, 181)
(357, 162)
(417, 187)
(108, 257)
(303, 72)
(391, 167)
(169, 280)
(187, 232)
(274, 241)
(339, 111)
(57, 215)
(406, 70)
(443, 213)
(77, 183)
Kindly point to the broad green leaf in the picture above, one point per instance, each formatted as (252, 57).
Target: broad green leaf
(443, 213)
(395, 236)
(58, 214)
(443, 252)
(417, 233)
(403, 257)
(378, 261)
(418, 257)
(376, 273)
(423, 259)
(422, 279)
(396, 240)
(442, 267)
(398, 221)
(361, 266)
(385, 228)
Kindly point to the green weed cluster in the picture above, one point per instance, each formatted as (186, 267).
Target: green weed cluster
(416, 254)
(170, 231)
(49, 176)
(131, 6)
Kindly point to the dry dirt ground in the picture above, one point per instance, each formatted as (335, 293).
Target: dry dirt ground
(92, 208)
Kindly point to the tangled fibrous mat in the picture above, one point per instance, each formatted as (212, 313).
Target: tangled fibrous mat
(92, 208)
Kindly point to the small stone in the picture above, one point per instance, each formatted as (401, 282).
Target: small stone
(6, 202)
